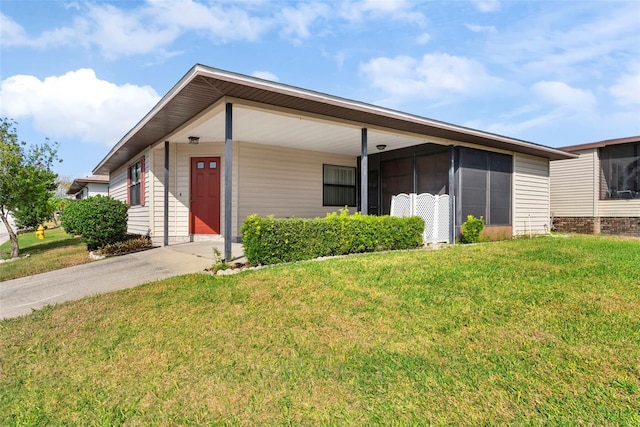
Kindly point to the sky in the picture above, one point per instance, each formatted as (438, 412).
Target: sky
(555, 73)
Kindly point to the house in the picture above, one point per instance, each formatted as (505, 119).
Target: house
(81, 188)
(598, 191)
(220, 146)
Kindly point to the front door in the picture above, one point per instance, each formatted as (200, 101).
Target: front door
(205, 195)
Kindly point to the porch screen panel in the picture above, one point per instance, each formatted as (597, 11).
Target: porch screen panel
(339, 186)
(432, 172)
(396, 176)
(620, 165)
(500, 168)
(485, 186)
(473, 187)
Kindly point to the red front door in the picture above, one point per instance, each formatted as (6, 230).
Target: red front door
(205, 195)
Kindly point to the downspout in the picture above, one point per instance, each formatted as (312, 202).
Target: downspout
(228, 164)
(166, 193)
(364, 175)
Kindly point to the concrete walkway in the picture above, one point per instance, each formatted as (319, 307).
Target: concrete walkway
(21, 296)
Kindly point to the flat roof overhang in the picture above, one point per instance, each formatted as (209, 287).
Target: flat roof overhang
(599, 144)
(79, 183)
(203, 89)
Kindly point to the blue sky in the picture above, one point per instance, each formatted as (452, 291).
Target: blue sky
(552, 72)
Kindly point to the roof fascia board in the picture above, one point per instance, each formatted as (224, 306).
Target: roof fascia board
(600, 144)
(361, 106)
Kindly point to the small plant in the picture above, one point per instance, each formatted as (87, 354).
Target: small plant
(132, 243)
(471, 229)
(218, 262)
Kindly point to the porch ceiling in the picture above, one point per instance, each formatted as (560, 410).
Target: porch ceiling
(324, 122)
(260, 126)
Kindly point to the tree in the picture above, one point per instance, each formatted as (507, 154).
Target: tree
(26, 180)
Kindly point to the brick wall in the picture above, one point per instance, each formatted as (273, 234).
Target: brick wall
(573, 224)
(620, 226)
(589, 225)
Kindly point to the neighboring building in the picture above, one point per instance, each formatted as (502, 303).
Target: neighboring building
(82, 188)
(220, 146)
(599, 191)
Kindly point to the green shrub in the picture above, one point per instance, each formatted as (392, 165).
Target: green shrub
(100, 220)
(471, 229)
(131, 243)
(70, 217)
(270, 240)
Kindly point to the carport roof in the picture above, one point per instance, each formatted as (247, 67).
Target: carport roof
(204, 86)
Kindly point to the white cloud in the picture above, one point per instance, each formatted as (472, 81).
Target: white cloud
(223, 24)
(487, 5)
(626, 89)
(266, 75)
(296, 22)
(398, 10)
(150, 29)
(435, 76)
(564, 96)
(423, 38)
(76, 105)
(11, 33)
(481, 28)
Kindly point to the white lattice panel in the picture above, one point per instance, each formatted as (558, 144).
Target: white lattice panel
(442, 219)
(434, 210)
(401, 205)
(425, 208)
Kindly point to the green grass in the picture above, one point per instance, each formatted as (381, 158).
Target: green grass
(526, 332)
(57, 250)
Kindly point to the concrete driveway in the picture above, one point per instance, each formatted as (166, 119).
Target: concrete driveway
(21, 296)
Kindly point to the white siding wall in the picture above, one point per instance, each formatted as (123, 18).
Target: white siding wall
(94, 189)
(284, 182)
(619, 208)
(138, 215)
(531, 212)
(574, 185)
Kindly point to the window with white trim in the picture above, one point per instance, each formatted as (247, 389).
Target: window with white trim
(135, 183)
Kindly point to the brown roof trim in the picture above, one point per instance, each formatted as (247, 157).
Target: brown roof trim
(600, 144)
(202, 86)
(80, 183)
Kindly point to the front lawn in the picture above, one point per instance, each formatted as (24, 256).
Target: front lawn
(57, 250)
(542, 331)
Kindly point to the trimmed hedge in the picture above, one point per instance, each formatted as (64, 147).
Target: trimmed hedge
(100, 220)
(270, 240)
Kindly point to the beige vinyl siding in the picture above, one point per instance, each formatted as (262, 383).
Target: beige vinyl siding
(179, 188)
(118, 184)
(619, 208)
(531, 213)
(284, 182)
(94, 189)
(138, 222)
(574, 185)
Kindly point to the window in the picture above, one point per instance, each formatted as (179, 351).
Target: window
(135, 183)
(620, 171)
(338, 185)
(485, 186)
